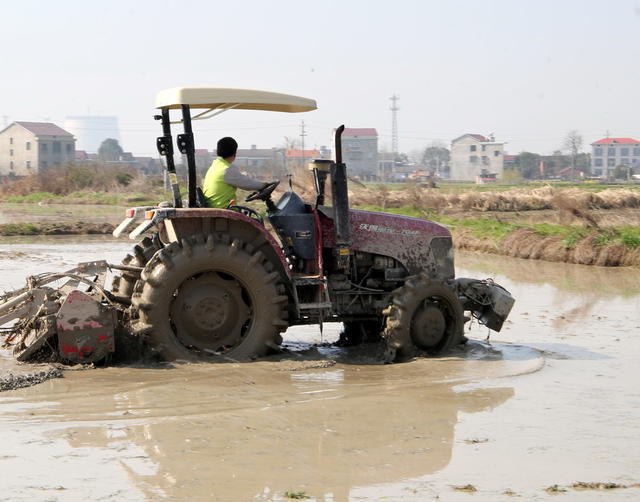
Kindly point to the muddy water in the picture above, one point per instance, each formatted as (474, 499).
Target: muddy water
(551, 400)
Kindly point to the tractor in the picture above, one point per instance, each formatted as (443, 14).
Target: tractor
(208, 284)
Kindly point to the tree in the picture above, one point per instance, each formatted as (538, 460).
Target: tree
(573, 144)
(436, 157)
(528, 164)
(110, 150)
(622, 172)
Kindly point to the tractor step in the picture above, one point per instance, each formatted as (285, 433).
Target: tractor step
(314, 306)
(308, 280)
(317, 283)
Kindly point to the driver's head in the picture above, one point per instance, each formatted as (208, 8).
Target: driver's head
(227, 148)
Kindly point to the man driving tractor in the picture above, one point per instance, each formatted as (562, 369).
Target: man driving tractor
(223, 178)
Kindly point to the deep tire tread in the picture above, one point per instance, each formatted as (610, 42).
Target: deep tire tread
(397, 343)
(195, 255)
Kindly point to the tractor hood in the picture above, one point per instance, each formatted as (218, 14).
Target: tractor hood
(416, 243)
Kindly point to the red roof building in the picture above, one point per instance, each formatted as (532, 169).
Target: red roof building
(360, 152)
(609, 153)
(360, 131)
(615, 141)
(299, 154)
(474, 156)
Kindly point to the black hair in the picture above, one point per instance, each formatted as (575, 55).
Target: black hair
(227, 147)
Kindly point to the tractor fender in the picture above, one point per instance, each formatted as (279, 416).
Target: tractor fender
(176, 224)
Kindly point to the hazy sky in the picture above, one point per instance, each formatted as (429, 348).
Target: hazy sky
(528, 71)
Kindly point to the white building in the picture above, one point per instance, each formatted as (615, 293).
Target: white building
(474, 155)
(32, 147)
(91, 130)
(608, 153)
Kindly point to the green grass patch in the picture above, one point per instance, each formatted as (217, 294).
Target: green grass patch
(10, 229)
(34, 197)
(630, 236)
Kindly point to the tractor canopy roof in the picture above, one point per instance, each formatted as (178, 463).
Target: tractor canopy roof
(227, 98)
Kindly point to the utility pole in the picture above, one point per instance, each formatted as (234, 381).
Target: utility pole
(394, 123)
(303, 133)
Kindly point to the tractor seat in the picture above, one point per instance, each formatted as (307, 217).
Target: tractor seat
(201, 200)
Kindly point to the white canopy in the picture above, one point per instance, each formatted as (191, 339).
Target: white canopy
(226, 98)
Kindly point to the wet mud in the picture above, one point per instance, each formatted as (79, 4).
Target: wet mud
(14, 375)
(550, 401)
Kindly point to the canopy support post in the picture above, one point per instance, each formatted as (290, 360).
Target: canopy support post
(186, 147)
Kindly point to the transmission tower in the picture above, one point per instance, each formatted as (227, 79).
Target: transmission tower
(394, 122)
(303, 133)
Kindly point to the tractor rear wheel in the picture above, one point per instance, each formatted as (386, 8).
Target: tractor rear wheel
(141, 254)
(425, 317)
(210, 298)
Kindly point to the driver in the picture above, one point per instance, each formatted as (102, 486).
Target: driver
(223, 178)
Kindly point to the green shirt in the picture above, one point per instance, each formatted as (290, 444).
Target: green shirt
(216, 191)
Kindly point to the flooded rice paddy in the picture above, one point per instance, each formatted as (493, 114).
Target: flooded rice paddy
(550, 401)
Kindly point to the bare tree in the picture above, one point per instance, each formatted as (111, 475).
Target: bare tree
(573, 144)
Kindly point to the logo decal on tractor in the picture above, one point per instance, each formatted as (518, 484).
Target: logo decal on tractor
(386, 230)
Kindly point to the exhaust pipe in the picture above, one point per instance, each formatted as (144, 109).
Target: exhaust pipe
(340, 201)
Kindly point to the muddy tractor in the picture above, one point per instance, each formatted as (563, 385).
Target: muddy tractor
(208, 284)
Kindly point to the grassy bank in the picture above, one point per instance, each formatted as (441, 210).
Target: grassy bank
(611, 246)
(84, 197)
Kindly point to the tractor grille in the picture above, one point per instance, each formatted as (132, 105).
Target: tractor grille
(442, 253)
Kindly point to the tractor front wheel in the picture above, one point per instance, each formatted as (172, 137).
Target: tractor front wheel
(208, 298)
(425, 317)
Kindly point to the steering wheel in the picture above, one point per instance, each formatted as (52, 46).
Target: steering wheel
(262, 194)
(247, 211)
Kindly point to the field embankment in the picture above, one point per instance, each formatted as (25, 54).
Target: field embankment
(76, 228)
(597, 226)
(586, 224)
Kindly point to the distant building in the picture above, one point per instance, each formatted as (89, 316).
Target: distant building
(608, 153)
(299, 158)
(91, 130)
(474, 156)
(325, 152)
(148, 165)
(203, 158)
(32, 147)
(360, 152)
(509, 160)
(261, 162)
(81, 157)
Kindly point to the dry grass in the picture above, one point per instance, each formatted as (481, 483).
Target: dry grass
(573, 200)
(528, 244)
(71, 178)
